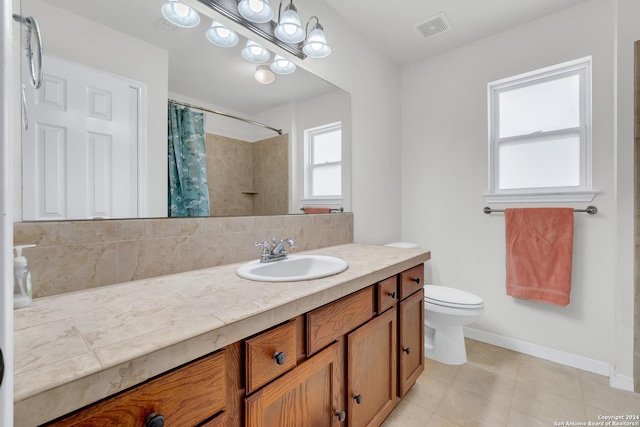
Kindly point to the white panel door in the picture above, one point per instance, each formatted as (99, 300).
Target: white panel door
(80, 152)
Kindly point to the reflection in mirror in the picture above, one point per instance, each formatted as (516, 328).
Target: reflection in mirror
(97, 144)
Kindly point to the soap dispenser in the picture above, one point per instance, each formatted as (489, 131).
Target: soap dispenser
(21, 278)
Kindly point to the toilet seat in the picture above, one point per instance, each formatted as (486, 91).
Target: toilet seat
(451, 297)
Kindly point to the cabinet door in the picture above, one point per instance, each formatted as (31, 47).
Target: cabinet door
(411, 341)
(372, 371)
(308, 395)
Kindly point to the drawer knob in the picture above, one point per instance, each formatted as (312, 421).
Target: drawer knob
(406, 350)
(341, 415)
(280, 357)
(154, 420)
(417, 280)
(392, 294)
(357, 398)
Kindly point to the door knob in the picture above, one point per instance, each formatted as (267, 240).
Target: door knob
(392, 294)
(154, 420)
(357, 398)
(280, 357)
(417, 280)
(406, 350)
(341, 415)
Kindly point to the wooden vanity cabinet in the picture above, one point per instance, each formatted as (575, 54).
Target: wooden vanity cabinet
(347, 363)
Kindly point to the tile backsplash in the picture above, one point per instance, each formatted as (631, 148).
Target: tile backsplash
(75, 255)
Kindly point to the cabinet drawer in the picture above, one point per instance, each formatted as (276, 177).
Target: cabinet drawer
(327, 323)
(270, 354)
(185, 396)
(387, 294)
(411, 280)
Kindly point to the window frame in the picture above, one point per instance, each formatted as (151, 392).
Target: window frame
(309, 166)
(583, 191)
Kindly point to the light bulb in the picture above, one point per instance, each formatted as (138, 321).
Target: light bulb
(256, 5)
(182, 10)
(223, 32)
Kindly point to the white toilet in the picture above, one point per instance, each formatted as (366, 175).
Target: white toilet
(446, 311)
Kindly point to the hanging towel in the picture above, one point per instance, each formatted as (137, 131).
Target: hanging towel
(310, 210)
(539, 254)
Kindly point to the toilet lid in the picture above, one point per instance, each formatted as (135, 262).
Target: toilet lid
(451, 297)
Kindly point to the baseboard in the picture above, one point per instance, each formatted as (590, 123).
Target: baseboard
(623, 382)
(618, 381)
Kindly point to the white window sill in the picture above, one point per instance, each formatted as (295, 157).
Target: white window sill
(561, 196)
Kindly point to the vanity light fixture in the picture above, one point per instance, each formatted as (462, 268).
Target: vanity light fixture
(289, 29)
(221, 36)
(282, 65)
(253, 52)
(316, 45)
(180, 14)
(258, 11)
(264, 75)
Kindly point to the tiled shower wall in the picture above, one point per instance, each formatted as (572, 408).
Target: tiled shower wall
(248, 178)
(75, 255)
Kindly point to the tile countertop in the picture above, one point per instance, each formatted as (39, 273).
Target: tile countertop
(76, 348)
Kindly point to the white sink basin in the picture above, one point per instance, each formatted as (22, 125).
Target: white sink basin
(295, 267)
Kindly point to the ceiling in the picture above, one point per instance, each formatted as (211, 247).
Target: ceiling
(220, 76)
(197, 68)
(391, 28)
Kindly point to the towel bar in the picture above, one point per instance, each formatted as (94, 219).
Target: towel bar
(340, 209)
(591, 210)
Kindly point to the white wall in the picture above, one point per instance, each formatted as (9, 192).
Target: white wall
(444, 174)
(374, 85)
(138, 61)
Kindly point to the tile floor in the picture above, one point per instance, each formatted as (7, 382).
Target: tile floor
(499, 387)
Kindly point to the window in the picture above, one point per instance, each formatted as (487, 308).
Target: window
(323, 163)
(540, 135)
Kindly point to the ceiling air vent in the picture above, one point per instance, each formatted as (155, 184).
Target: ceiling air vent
(167, 26)
(435, 25)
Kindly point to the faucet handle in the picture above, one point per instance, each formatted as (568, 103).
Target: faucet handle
(265, 247)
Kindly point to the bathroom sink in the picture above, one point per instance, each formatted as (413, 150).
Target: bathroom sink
(294, 268)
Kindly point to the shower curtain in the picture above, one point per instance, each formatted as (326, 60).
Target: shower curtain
(188, 189)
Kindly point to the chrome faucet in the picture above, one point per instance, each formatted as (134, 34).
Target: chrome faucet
(275, 251)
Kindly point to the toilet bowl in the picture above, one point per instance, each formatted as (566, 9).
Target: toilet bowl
(446, 311)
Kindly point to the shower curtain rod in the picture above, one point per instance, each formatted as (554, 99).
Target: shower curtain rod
(279, 131)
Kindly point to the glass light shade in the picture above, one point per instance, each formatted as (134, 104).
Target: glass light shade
(180, 14)
(281, 65)
(221, 36)
(316, 45)
(289, 29)
(253, 52)
(264, 75)
(257, 11)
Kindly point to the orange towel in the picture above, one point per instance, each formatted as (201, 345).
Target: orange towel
(539, 254)
(309, 210)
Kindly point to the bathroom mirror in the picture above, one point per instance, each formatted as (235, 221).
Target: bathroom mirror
(130, 40)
